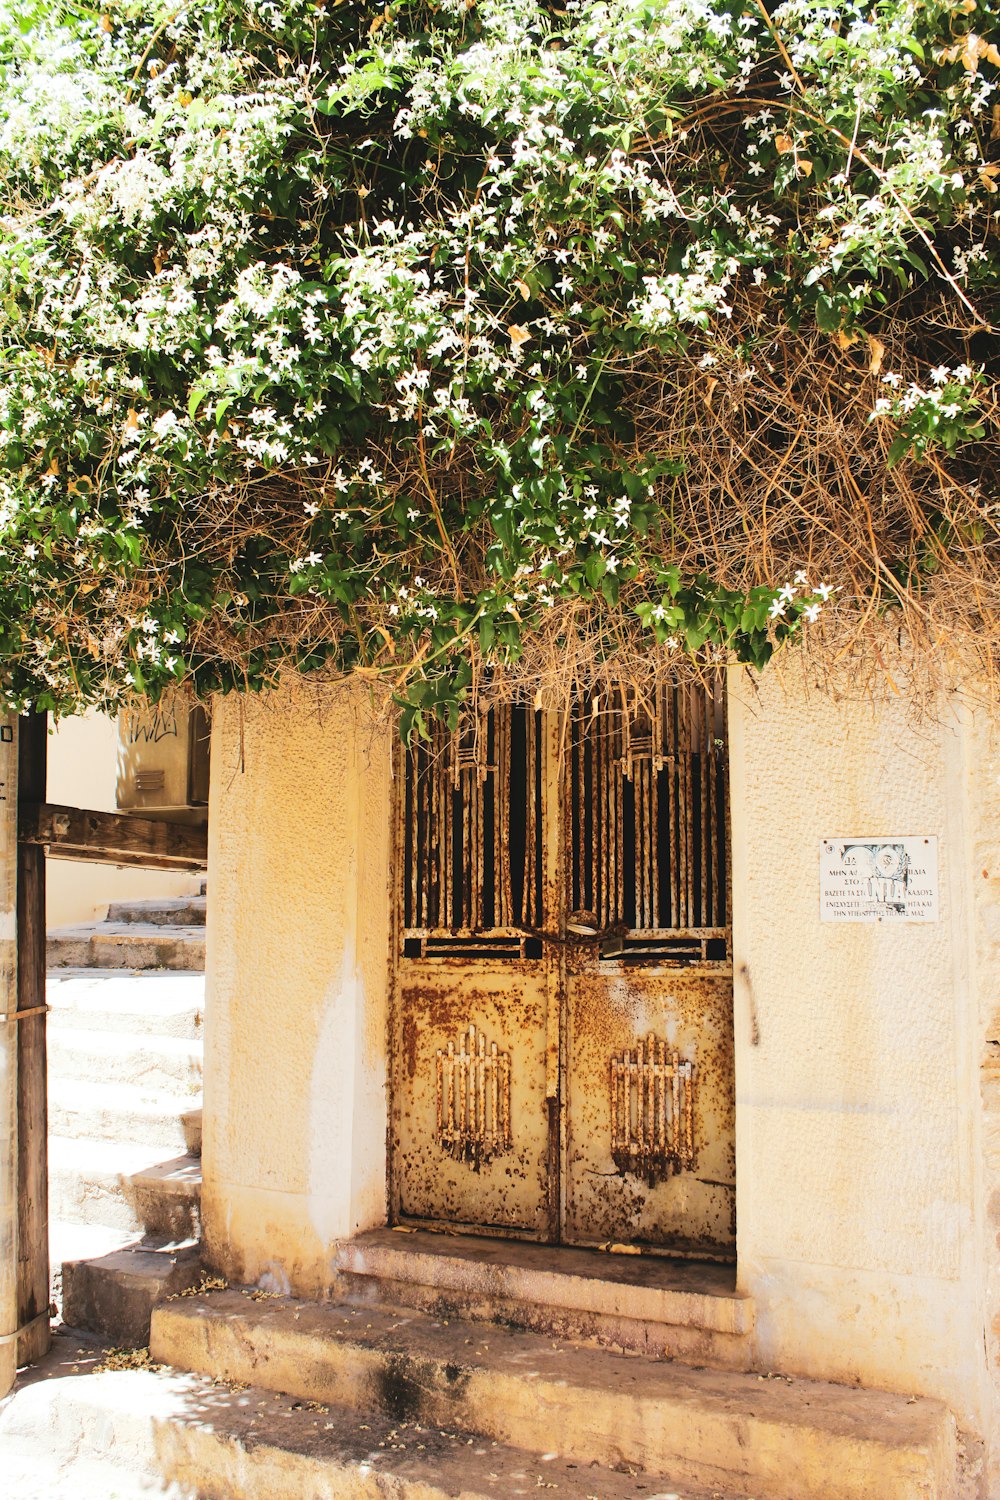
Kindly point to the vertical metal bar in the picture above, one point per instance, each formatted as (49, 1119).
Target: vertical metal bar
(675, 1079)
(494, 1097)
(650, 1085)
(661, 1112)
(689, 1113)
(635, 1138)
(505, 1099)
(703, 798)
(672, 839)
(449, 1076)
(620, 813)
(713, 816)
(501, 802)
(684, 758)
(410, 799)
(480, 1091)
(529, 915)
(654, 811)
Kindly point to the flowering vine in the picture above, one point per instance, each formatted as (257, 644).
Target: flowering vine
(402, 339)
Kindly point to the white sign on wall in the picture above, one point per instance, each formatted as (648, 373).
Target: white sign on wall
(890, 879)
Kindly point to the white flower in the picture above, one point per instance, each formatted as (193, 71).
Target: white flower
(811, 612)
(778, 607)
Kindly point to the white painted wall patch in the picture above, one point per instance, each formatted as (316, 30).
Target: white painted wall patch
(890, 879)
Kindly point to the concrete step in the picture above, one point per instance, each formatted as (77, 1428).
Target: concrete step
(775, 1439)
(126, 1112)
(141, 1433)
(191, 1127)
(113, 1295)
(166, 1198)
(169, 1064)
(126, 945)
(71, 1240)
(680, 1309)
(154, 1003)
(182, 911)
(117, 1186)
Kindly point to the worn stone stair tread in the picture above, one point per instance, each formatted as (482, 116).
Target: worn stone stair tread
(127, 929)
(194, 1436)
(180, 1177)
(104, 1182)
(123, 1112)
(102, 1158)
(640, 1287)
(170, 1062)
(786, 1439)
(70, 1240)
(125, 1163)
(127, 945)
(170, 911)
(114, 1294)
(166, 1002)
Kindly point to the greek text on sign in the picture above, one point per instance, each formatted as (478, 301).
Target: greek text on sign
(891, 879)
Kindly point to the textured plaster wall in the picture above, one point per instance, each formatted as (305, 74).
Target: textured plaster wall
(83, 763)
(296, 1004)
(982, 788)
(858, 1048)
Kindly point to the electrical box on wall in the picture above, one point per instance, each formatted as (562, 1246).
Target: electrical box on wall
(163, 760)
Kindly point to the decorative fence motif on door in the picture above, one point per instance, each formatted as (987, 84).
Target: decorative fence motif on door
(652, 1111)
(473, 1099)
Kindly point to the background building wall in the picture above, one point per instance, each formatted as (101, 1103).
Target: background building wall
(83, 763)
(297, 980)
(857, 1049)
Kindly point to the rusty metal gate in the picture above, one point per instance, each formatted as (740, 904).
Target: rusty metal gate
(562, 1021)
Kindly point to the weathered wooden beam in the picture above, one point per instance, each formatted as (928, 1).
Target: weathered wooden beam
(8, 1052)
(112, 838)
(32, 1068)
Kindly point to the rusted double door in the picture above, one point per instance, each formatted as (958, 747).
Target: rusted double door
(562, 1027)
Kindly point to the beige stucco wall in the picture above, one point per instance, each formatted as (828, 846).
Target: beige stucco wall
(82, 770)
(296, 1003)
(982, 802)
(859, 1182)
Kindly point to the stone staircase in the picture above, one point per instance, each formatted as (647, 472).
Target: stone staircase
(126, 1000)
(385, 1393)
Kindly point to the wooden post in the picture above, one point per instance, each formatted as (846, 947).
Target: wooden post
(32, 1081)
(8, 1052)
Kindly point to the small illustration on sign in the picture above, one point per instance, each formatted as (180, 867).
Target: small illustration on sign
(866, 879)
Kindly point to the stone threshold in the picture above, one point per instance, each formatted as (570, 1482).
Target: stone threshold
(649, 1303)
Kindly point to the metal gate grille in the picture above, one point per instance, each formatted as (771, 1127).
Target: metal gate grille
(472, 836)
(646, 812)
(644, 830)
